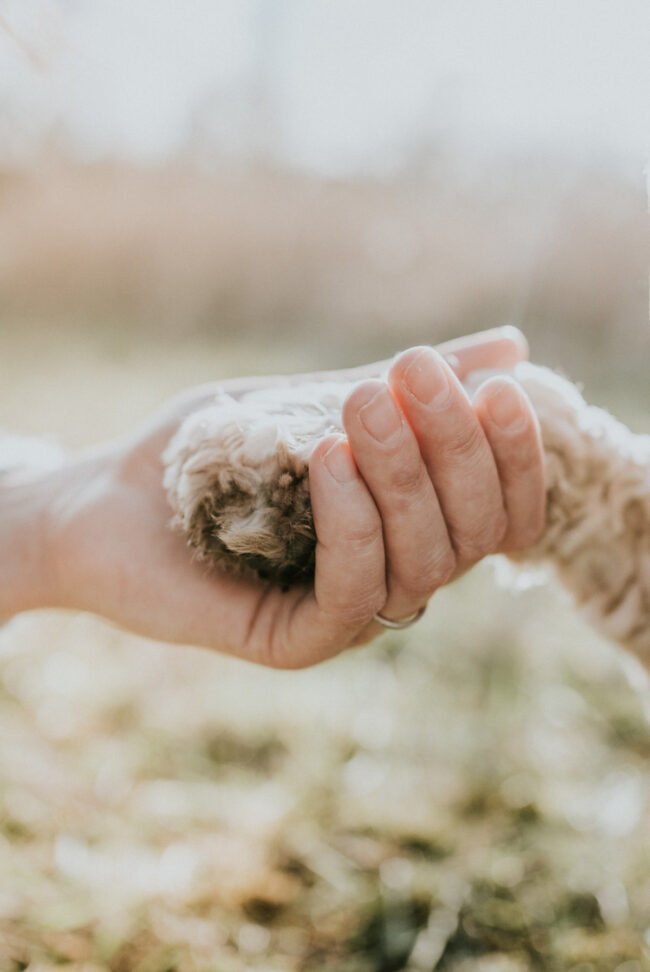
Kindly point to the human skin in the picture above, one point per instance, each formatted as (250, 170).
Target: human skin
(423, 485)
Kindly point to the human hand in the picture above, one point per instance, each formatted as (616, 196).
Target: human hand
(456, 483)
(424, 484)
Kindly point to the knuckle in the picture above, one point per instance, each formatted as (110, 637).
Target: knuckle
(442, 567)
(362, 535)
(524, 537)
(407, 482)
(523, 460)
(500, 528)
(469, 550)
(485, 539)
(465, 443)
(432, 574)
(358, 612)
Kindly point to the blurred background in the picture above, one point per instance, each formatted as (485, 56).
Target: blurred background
(219, 187)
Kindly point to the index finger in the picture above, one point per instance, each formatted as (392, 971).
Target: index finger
(350, 580)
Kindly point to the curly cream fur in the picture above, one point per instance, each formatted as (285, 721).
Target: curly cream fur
(237, 480)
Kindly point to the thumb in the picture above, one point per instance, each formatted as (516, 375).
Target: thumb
(499, 348)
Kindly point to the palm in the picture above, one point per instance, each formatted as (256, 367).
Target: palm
(164, 593)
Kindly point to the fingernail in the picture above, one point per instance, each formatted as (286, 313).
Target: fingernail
(427, 380)
(506, 408)
(340, 463)
(452, 360)
(380, 416)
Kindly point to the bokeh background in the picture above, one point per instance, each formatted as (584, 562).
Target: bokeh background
(225, 187)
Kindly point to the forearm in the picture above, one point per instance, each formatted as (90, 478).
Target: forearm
(28, 472)
(25, 581)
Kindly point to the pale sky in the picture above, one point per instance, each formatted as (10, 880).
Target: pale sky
(333, 85)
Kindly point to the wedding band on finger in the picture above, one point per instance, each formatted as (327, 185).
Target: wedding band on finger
(403, 622)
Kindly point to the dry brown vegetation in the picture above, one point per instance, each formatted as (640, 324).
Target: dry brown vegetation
(347, 267)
